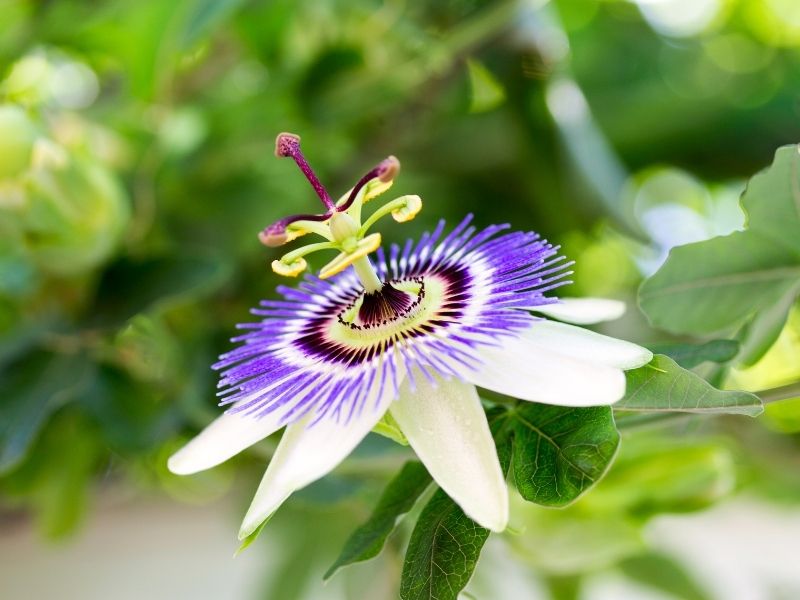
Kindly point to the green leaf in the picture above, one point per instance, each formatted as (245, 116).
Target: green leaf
(55, 481)
(486, 92)
(664, 386)
(663, 573)
(396, 500)
(442, 553)
(722, 283)
(772, 199)
(691, 355)
(129, 288)
(708, 287)
(564, 587)
(573, 541)
(760, 333)
(31, 389)
(129, 414)
(446, 544)
(654, 474)
(559, 452)
(204, 16)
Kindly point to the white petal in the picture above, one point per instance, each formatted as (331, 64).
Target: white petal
(225, 437)
(587, 345)
(584, 311)
(528, 372)
(447, 428)
(306, 453)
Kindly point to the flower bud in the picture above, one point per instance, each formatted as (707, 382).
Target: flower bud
(74, 217)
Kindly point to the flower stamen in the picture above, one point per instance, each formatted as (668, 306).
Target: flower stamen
(340, 225)
(385, 171)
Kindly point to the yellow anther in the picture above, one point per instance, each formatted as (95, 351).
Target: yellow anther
(292, 269)
(413, 204)
(375, 188)
(345, 259)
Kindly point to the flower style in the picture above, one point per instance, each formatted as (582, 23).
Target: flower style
(406, 338)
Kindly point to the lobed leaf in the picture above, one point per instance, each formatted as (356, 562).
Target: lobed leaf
(708, 287)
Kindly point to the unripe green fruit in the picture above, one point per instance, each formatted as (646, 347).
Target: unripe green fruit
(17, 134)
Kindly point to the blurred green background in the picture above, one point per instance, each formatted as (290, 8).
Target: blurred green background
(137, 167)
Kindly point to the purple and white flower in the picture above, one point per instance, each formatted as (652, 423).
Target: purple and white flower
(407, 338)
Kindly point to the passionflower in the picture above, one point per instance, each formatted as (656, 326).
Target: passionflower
(405, 338)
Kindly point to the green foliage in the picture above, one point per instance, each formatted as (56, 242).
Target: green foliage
(691, 355)
(132, 287)
(664, 386)
(487, 92)
(442, 553)
(54, 483)
(558, 452)
(655, 474)
(573, 541)
(727, 282)
(388, 427)
(33, 388)
(128, 249)
(664, 574)
(397, 499)
(248, 541)
(17, 134)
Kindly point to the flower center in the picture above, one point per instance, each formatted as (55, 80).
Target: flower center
(360, 326)
(385, 306)
(400, 310)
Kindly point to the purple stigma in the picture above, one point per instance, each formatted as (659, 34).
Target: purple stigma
(288, 144)
(386, 170)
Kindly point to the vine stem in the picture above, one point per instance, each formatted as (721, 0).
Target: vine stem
(777, 394)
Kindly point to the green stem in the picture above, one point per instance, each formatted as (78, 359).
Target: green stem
(777, 394)
(367, 275)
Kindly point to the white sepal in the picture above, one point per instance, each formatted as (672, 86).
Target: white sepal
(583, 311)
(527, 371)
(586, 345)
(225, 437)
(306, 453)
(446, 426)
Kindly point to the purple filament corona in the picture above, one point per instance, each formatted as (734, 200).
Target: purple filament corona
(328, 349)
